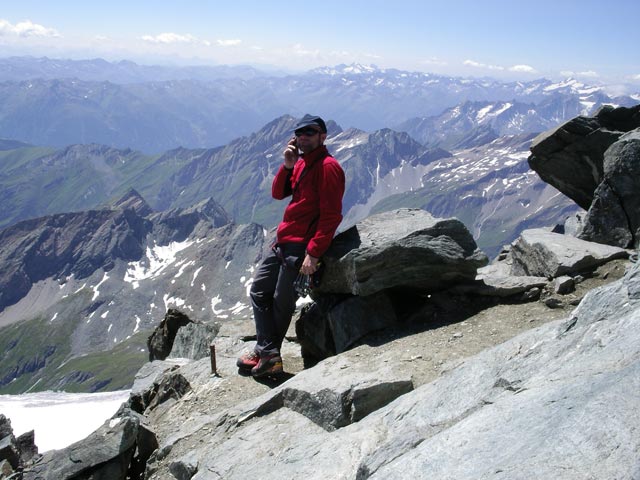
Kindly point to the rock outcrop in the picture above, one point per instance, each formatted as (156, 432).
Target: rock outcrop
(14, 452)
(160, 342)
(571, 156)
(614, 214)
(596, 162)
(406, 248)
(539, 252)
(370, 265)
(179, 336)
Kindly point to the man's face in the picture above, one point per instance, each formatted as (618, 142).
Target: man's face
(309, 138)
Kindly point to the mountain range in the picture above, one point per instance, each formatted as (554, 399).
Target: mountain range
(56, 103)
(385, 169)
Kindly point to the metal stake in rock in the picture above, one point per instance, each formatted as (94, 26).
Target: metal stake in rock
(214, 370)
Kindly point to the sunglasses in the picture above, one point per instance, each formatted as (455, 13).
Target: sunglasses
(307, 132)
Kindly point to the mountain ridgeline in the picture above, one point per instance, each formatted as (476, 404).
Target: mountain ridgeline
(384, 169)
(154, 109)
(80, 287)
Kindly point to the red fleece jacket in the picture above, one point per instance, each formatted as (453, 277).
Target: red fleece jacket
(315, 211)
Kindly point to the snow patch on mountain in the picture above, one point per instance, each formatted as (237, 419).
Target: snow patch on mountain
(96, 291)
(157, 259)
(570, 83)
(492, 110)
(176, 302)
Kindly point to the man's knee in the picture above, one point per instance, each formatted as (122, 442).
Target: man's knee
(284, 299)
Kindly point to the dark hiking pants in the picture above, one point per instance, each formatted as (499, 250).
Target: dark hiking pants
(273, 296)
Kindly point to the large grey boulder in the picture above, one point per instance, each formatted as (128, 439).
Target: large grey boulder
(156, 383)
(406, 249)
(335, 393)
(571, 156)
(539, 252)
(403, 248)
(193, 340)
(160, 342)
(333, 324)
(614, 215)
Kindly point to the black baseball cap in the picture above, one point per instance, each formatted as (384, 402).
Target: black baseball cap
(311, 120)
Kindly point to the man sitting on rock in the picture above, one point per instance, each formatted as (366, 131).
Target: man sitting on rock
(315, 181)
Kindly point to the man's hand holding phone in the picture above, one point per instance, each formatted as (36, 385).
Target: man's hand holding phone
(291, 153)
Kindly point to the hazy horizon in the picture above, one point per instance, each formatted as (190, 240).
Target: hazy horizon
(496, 39)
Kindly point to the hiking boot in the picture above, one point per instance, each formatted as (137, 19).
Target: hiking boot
(270, 365)
(248, 360)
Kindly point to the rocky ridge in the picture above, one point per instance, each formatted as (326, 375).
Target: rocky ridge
(489, 187)
(77, 288)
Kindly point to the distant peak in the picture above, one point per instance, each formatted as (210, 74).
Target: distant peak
(359, 68)
(133, 200)
(342, 69)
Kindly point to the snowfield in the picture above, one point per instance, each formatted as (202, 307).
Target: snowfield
(60, 419)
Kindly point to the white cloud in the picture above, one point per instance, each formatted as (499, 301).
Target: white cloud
(26, 28)
(169, 38)
(474, 64)
(523, 69)
(229, 43)
(635, 77)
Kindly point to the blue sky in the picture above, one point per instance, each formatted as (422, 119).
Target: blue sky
(591, 40)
